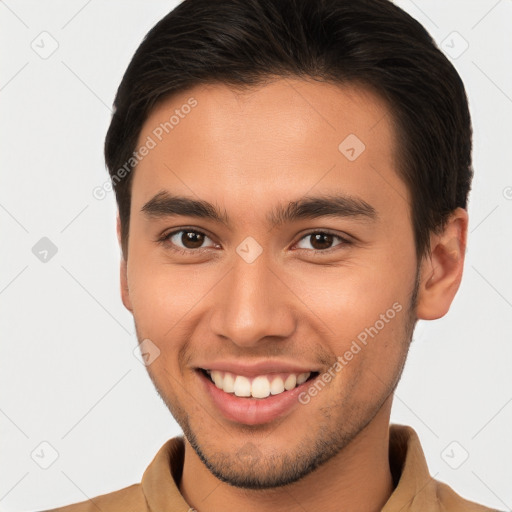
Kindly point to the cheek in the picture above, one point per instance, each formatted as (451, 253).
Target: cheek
(162, 295)
(366, 307)
(348, 300)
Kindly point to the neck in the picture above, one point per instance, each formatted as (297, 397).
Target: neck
(356, 479)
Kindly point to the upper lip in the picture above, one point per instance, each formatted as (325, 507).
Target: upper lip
(254, 369)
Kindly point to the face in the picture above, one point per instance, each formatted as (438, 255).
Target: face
(270, 242)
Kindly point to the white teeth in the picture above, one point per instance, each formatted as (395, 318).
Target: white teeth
(260, 387)
(228, 384)
(217, 378)
(242, 386)
(302, 377)
(290, 382)
(277, 386)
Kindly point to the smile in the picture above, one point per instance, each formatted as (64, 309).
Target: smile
(257, 393)
(261, 386)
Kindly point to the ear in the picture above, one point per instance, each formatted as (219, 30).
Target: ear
(125, 292)
(441, 271)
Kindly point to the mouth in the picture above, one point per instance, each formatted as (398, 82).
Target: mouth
(261, 386)
(254, 400)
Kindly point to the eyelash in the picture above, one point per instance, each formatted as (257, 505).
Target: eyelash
(165, 240)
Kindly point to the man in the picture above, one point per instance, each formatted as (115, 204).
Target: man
(292, 181)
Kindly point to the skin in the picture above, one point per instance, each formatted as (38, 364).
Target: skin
(246, 152)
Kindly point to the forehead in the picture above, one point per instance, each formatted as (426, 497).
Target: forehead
(279, 140)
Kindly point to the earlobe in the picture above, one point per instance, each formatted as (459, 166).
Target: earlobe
(123, 271)
(441, 271)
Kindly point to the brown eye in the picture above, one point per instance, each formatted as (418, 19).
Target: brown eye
(321, 241)
(192, 239)
(188, 239)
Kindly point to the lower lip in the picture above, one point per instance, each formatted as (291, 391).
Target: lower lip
(252, 411)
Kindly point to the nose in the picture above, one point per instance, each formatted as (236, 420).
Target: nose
(252, 305)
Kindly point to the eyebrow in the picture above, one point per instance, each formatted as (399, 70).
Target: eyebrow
(164, 205)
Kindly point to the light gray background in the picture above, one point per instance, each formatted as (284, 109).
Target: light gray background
(67, 370)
